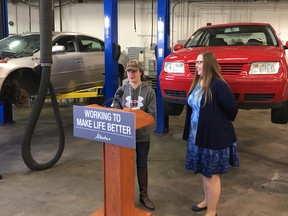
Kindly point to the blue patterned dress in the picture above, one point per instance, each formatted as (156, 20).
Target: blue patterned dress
(204, 160)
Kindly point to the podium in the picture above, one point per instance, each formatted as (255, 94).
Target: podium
(118, 174)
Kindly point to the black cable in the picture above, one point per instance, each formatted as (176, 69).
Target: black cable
(107, 101)
(135, 15)
(32, 121)
(46, 62)
(152, 26)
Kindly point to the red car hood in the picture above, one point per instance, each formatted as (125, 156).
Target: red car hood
(237, 54)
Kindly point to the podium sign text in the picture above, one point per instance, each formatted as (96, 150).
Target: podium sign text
(105, 125)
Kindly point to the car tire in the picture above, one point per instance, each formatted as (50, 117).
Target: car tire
(279, 116)
(172, 108)
(22, 98)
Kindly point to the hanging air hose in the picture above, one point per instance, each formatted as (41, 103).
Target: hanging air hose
(46, 62)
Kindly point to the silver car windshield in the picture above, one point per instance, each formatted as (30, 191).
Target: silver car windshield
(19, 46)
(233, 36)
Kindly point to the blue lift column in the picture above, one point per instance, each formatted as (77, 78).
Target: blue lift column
(163, 40)
(111, 42)
(4, 19)
(5, 105)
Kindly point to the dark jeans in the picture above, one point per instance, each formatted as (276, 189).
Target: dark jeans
(142, 150)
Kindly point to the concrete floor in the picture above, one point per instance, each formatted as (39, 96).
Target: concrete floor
(259, 187)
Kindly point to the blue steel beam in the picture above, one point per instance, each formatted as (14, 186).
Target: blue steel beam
(4, 19)
(110, 38)
(6, 114)
(163, 40)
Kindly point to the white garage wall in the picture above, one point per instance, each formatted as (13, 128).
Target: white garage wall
(185, 19)
(25, 19)
(188, 17)
(89, 18)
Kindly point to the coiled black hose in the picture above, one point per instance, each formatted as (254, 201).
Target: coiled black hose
(46, 62)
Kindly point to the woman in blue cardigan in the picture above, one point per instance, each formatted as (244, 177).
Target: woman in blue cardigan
(210, 135)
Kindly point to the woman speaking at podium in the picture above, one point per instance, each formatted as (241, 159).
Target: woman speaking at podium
(137, 94)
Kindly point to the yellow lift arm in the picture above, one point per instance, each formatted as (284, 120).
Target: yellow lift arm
(84, 93)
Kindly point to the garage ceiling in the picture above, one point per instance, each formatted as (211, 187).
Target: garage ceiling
(35, 3)
(91, 1)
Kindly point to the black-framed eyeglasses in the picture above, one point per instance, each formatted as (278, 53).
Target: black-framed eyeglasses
(198, 62)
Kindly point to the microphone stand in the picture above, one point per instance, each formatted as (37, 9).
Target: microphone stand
(112, 103)
(107, 101)
(119, 103)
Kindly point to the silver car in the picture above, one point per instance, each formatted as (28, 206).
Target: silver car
(78, 63)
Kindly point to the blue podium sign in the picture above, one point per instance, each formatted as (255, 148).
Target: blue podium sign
(105, 125)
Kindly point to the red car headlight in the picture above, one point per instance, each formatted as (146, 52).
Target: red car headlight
(174, 67)
(264, 68)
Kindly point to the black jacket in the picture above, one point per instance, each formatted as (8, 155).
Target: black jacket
(215, 129)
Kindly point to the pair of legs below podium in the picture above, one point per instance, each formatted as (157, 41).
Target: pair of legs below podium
(142, 150)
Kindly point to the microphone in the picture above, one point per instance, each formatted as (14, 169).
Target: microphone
(118, 95)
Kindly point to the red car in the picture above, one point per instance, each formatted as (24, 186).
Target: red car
(252, 60)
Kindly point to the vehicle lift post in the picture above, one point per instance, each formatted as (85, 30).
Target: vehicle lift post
(111, 42)
(5, 105)
(6, 115)
(163, 39)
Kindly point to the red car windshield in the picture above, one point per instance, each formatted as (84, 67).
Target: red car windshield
(241, 35)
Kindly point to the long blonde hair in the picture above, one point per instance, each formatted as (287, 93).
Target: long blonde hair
(211, 70)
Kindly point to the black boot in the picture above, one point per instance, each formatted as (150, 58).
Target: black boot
(1, 177)
(142, 174)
